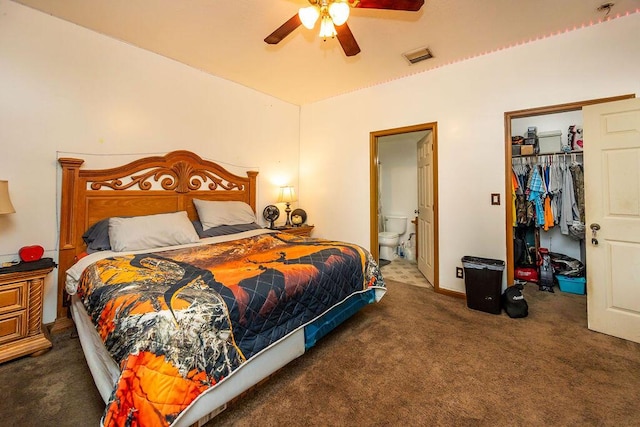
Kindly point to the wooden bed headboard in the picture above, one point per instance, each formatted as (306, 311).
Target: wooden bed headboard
(150, 185)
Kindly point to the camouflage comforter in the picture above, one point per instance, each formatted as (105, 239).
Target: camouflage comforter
(179, 321)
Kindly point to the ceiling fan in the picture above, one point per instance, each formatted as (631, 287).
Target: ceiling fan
(333, 16)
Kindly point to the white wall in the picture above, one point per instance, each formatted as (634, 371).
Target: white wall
(66, 89)
(468, 101)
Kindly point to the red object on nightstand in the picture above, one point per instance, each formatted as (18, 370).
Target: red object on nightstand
(31, 253)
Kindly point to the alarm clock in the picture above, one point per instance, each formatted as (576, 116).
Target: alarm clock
(31, 253)
(296, 219)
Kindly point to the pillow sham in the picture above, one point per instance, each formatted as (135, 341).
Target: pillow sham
(215, 213)
(151, 231)
(97, 237)
(223, 230)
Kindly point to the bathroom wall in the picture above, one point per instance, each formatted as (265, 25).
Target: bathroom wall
(399, 179)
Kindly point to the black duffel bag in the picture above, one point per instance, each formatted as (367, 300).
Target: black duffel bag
(513, 302)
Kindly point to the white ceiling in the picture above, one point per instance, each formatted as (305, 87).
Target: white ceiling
(225, 37)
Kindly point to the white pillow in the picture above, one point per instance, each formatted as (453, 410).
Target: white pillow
(151, 231)
(214, 214)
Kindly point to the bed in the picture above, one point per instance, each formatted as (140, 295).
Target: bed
(181, 301)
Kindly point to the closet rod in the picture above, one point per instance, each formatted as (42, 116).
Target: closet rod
(545, 158)
(546, 154)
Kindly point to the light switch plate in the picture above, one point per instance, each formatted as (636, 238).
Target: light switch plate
(495, 198)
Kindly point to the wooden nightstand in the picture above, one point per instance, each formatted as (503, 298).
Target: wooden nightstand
(21, 295)
(303, 230)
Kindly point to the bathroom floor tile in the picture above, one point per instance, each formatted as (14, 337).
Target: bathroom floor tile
(405, 271)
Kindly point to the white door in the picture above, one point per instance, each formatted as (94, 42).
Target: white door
(612, 203)
(426, 246)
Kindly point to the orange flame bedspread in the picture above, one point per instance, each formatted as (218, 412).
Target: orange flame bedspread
(179, 321)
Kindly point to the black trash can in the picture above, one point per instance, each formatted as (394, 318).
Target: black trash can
(483, 283)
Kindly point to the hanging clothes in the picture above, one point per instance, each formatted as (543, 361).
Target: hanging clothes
(555, 188)
(569, 209)
(537, 194)
(548, 214)
(524, 209)
(577, 175)
(514, 189)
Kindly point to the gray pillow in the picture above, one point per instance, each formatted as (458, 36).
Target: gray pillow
(97, 237)
(216, 213)
(151, 231)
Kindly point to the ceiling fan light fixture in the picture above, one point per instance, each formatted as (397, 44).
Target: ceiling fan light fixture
(339, 12)
(309, 15)
(334, 14)
(327, 30)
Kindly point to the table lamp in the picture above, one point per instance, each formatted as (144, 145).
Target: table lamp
(287, 195)
(5, 202)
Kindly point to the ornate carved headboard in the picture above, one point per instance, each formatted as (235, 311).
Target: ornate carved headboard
(150, 185)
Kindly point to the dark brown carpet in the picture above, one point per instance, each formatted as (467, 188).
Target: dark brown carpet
(415, 358)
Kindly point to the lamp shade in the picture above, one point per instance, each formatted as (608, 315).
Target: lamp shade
(309, 15)
(287, 195)
(5, 202)
(339, 12)
(327, 29)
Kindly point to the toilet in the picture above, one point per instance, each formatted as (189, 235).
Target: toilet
(394, 227)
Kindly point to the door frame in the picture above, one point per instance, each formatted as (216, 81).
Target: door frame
(530, 112)
(373, 189)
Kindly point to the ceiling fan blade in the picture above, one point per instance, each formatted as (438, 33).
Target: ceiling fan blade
(347, 41)
(284, 30)
(409, 5)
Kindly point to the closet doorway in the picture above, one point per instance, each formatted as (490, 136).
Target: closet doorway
(509, 117)
(422, 161)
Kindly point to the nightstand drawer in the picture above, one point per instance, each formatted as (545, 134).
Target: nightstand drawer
(13, 297)
(13, 326)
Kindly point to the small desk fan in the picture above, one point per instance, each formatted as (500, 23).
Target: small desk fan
(271, 213)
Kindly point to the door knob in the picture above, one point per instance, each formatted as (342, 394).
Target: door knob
(594, 230)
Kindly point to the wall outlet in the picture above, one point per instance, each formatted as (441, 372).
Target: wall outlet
(459, 273)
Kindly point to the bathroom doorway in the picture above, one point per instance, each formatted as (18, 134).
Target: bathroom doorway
(403, 191)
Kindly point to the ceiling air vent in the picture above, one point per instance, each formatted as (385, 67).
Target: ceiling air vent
(418, 55)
